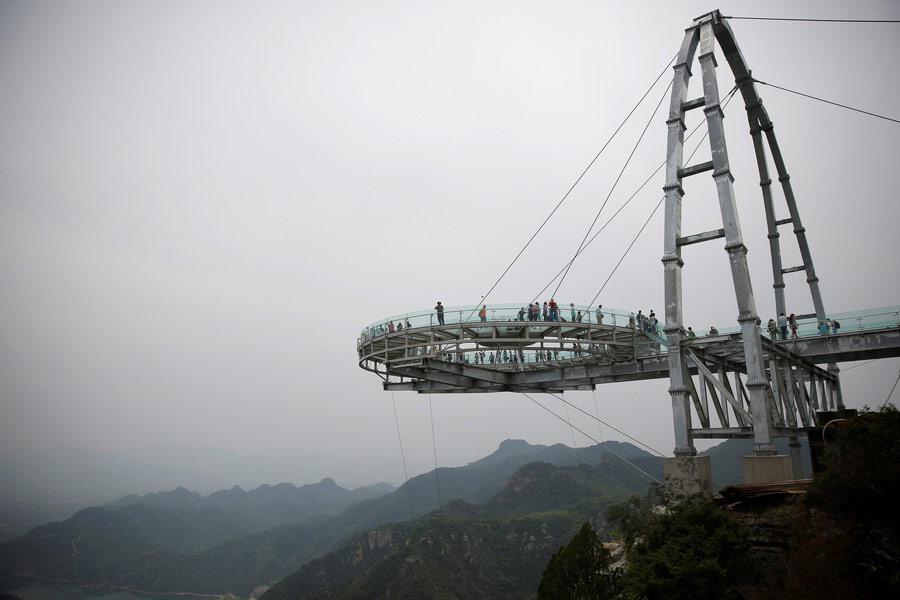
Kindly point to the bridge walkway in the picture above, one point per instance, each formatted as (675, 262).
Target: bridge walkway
(503, 352)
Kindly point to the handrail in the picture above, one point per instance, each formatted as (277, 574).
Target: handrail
(507, 312)
(517, 338)
(867, 319)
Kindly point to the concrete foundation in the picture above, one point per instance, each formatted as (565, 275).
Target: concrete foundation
(767, 469)
(688, 476)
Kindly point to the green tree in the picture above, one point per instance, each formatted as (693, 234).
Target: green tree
(691, 551)
(579, 571)
(847, 543)
(633, 516)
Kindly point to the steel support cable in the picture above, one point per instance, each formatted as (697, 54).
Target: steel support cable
(844, 370)
(605, 225)
(615, 183)
(658, 204)
(412, 513)
(622, 458)
(714, 482)
(572, 429)
(437, 480)
(814, 20)
(859, 110)
(632, 197)
(597, 418)
(892, 391)
(635, 440)
(580, 177)
(602, 442)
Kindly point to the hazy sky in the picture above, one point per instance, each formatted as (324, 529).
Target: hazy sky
(203, 202)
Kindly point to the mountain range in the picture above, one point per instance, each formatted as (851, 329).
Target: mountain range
(266, 506)
(235, 542)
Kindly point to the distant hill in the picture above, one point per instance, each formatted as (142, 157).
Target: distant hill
(97, 545)
(266, 506)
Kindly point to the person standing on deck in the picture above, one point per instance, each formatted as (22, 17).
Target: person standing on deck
(782, 326)
(440, 313)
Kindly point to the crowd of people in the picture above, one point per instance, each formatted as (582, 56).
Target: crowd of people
(646, 323)
(519, 355)
(384, 329)
(550, 312)
(778, 329)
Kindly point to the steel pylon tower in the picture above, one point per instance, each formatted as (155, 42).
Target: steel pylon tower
(702, 35)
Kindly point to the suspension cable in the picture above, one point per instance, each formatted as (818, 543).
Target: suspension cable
(627, 250)
(572, 429)
(865, 112)
(625, 460)
(635, 440)
(599, 421)
(815, 20)
(412, 513)
(892, 391)
(728, 98)
(602, 442)
(566, 195)
(615, 183)
(434, 448)
(632, 197)
(844, 370)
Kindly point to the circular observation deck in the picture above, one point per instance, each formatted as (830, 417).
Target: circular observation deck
(416, 346)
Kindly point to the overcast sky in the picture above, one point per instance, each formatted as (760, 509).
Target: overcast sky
(203, 202)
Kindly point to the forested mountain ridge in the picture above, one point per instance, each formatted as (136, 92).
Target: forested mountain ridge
(97, 545)
(497, 549)
(266, 506)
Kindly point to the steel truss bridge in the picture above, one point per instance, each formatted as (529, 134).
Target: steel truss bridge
(736, 383)
(505, 354)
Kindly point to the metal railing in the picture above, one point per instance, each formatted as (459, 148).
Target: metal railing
(495, 313)
(863, 320)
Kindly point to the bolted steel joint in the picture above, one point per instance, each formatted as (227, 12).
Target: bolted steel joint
(684, 451)
(722, 173)
(748, 317)
(733, 247)
(764, 450)
(756, 384)
(669, 259)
